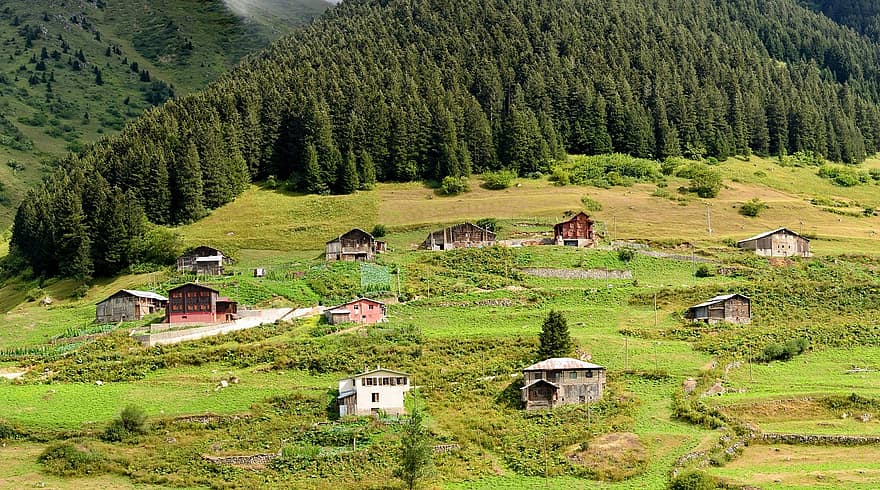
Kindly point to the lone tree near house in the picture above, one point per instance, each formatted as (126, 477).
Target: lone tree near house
(555, 338)
(415, 450)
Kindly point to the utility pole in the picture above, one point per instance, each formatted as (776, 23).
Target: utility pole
(655, 309)
(709, 220)
(626, 353)
(398, 282)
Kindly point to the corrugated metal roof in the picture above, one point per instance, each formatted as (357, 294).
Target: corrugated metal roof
(356, 300)
(540, 381)
(771, 232)
(345, 394)
(718, 299)
(339, 311)
(210, 258)
(560, 363)
(145, 294)
(380, 369)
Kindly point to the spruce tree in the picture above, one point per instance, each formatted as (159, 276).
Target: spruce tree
(348, 178)
(311, 181)
(554, 337)
(414, 459)
(187, 191)
(367, 171)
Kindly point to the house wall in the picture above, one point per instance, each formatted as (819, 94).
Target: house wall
(191, 304)
(579, 227)
(116, 309)
(737, 310)
(587, 386)
(390, 396)
(464, 235)
(780, 244)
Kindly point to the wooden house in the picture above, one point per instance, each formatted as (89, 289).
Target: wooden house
(203, 260)
(732, 308)
(464, 235)
(128, 305)
(354, 245)
(361, 310)
(195, 303)
(562, 381)
(780, 242)
(372, 392)
(577, 231)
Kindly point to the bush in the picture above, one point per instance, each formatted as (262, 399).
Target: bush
(271, 182)
(132, 421)
(753, 207)
(501, 179)
(452, 186)
(81, 291)
(560, 176)
(490, 224)
(591, 204)
(693, 480)
(69, 458)
(34, 294)
(783, 351)
(626, 254)
(378, 230)
(703, 271)
(705, 182)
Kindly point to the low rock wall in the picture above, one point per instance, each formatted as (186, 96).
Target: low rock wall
(253, 460)
(817, 439)
(577, 273)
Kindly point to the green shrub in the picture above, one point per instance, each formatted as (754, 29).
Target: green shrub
(379, 230)
(34, 294)
(452, 186)
(131, 421)
(560, 176)
(783, 351)
(490, 224)
(591, 204)
(501, 179)
(705, 182)
(693, 480)
(753, 207)
(626, 254)
(703, 271)
(69, 458)
(271, 182)
(844, 176)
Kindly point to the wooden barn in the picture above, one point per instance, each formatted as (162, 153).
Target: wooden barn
(731, 308)
(128, 305)
(465, 235)
(195, 303)
(203, 260)
(780, 242)
(562, 381)
(577, 231)
(354, 245)
(361, 310)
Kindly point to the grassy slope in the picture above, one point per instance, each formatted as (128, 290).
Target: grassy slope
(149, 32)
(298, 225)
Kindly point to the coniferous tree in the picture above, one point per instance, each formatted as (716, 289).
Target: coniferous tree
(414, 459)
(555, 340)
(187, 191)
(312, 181)
(367, 171)
(348, 178)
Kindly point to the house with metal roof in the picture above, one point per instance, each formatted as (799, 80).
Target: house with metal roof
(731, 308)
(780, 242)
(129, 305)
(562, 381)
(361, 310)
(373, 392)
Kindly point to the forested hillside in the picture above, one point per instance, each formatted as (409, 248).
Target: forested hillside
(861, 15)
(71, 72)
(423, 89)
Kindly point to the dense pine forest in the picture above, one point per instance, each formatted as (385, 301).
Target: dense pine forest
(861, 15)
(398, 90)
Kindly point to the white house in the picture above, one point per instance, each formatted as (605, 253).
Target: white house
(379, 390)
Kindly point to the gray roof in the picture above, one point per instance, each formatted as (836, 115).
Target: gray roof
(540, 381)
(346, 394)
(771, 232)
(339, 311)
(718, 299)
(139, 294)
(561, 363)
(380, 369)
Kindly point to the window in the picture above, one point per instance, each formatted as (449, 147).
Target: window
(371, 307)
(355, 307)
(401, 381)
(539, 375)
(589, 373)
(573, 375)
(375, 398)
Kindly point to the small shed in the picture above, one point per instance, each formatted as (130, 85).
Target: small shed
(260, 272)
(129, 305)
(780, 242)
(731, 308)
(464, 235)
(361, 310)
(203, 260)
(577, 231)
(354, 245)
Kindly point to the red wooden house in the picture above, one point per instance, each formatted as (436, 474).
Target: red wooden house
(361, 310)
(194, 303)
(575, 232)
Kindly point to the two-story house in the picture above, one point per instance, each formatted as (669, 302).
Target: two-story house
(372, 392)
(562, 381)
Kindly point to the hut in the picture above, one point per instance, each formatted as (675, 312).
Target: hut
(129, 305)
(577, 231)
(464, 235)
(203, 260)
(731, 308)
(195, 303)
(361, 310)
(354, 245)
(373, 392)
(780, 242)
(562, 381)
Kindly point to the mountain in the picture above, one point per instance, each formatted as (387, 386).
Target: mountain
(429, 89)
(71, 72)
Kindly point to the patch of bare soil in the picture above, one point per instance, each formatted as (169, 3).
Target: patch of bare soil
(614, 457)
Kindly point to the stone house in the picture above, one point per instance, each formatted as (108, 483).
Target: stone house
(732, 308)
(780, 242)
(562, 381)
(372, 392)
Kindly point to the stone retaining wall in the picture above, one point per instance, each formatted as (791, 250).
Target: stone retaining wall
(813, 439)
(253, 460)
(577, 273)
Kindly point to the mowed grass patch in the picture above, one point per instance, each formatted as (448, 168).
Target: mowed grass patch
(274, 220)
(804, 416)
(804, 467)
(166, 393)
